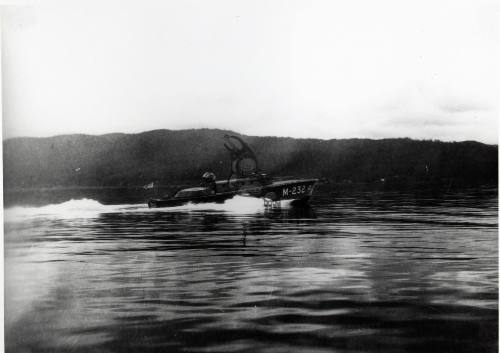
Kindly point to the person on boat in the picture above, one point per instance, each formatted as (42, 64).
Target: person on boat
(208, 179)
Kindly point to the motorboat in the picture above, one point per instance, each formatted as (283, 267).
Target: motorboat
(245, 179)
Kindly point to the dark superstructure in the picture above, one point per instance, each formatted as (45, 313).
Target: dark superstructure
(245, 179)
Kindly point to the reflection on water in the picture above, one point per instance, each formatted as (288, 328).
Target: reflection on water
(362, 271)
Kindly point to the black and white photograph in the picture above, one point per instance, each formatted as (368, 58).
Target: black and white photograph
(241, 176)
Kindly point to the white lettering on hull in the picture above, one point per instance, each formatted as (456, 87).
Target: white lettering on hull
(296, 190)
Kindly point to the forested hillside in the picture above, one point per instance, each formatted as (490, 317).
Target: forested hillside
(173, 157)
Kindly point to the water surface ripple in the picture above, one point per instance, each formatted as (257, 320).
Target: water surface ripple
(356, 272)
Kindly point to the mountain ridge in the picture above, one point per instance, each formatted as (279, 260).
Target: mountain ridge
(172, 156)
(240, 134)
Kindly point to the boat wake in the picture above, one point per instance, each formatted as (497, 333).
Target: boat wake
(81, 208)
(89, 208)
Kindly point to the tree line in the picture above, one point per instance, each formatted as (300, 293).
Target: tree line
(168, 157)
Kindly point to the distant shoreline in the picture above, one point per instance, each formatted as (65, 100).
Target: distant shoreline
(169, 158)
(402, 185)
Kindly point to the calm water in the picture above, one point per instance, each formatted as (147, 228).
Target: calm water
(359, 271)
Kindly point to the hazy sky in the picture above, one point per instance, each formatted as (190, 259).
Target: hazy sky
(307, 68)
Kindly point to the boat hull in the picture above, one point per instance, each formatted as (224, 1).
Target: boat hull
(297, 190)
(172, 202)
